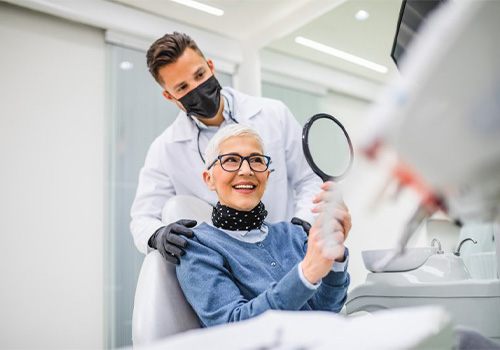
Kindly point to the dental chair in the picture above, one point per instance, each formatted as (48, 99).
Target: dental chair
(160, 308)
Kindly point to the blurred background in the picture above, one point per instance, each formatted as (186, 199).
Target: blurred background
(79, 109)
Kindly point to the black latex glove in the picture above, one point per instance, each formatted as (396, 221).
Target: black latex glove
(168, 239)
(305, 225)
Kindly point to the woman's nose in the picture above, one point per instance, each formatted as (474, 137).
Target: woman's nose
(245, 168)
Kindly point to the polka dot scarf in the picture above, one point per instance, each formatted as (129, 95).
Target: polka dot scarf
(236, 220)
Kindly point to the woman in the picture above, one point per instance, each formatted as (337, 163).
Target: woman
(239, 266)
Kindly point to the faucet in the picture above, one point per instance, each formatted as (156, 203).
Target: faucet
(457, 252)
(435, 240)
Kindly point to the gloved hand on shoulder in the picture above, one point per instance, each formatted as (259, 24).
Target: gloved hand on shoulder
(169, 242)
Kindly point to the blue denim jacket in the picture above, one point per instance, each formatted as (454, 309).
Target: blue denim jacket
(227, 280)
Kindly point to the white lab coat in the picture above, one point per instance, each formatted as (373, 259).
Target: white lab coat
(173, 167)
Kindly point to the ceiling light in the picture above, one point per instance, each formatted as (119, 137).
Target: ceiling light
(202, 7)
(126, 65)
(341, 54)
(361, 15)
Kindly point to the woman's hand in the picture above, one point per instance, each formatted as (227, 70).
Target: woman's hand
(341, 212)
(317, 263)
(321, 254)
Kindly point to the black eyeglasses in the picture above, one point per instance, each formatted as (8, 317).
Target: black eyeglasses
(232, 162)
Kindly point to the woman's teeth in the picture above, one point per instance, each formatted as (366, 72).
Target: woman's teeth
(244, 186)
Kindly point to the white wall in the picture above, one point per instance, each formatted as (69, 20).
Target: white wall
(51, 182)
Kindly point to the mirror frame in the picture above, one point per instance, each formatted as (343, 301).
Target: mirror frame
(305, 147)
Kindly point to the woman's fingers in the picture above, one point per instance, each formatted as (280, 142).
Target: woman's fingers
(332, 250)
(328, 197)
(337, 213)
(338, 236)
(329, 246)
(324, 195)
(347, 223)
(327, 185)
(340, 220)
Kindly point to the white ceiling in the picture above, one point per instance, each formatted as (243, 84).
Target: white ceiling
(274, 24)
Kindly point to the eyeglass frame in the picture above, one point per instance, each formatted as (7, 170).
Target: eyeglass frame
(247, 158)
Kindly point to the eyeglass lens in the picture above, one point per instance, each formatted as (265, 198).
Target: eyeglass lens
(233, 162)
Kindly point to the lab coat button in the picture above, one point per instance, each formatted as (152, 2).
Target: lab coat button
(273, 263)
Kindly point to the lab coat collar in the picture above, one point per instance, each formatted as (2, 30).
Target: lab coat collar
(245, 107)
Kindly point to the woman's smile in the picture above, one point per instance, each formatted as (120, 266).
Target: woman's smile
(245, 187)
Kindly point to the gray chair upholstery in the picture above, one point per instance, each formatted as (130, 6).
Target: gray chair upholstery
(160, 308)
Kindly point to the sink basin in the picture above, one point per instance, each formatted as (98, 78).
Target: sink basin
(411, 259)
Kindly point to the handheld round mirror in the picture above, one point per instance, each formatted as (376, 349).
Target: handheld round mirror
(327, 147)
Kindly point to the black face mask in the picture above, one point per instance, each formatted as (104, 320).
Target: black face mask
(204, 100)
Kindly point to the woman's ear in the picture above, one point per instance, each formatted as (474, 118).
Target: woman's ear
(209, 180)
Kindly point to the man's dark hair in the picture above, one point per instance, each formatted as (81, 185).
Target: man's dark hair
(167, 50)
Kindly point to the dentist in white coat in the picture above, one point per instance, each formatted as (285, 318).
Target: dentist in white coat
(174, 160)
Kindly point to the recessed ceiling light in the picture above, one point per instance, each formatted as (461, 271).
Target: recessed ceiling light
(126, 65)
(202, 7)
(341, 54)
(361, 15)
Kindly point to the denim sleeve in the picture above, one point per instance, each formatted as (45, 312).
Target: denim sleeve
(215, 297)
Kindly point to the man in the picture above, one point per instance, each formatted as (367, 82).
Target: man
(174, 160)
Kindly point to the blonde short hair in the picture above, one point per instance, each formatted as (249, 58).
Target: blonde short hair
(233, 130)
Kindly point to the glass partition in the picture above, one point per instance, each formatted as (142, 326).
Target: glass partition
(302, 104)
(138, 114)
